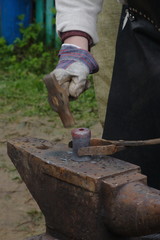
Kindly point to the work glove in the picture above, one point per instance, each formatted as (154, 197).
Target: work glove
(74, 66)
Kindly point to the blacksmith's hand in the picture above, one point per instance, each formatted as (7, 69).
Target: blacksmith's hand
(74, 66)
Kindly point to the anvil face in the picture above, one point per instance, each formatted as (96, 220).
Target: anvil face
(69, 193)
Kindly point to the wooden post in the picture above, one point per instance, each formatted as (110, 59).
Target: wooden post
(40, 11)
(49, 21)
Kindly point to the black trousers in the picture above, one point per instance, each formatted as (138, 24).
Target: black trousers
(133, 111)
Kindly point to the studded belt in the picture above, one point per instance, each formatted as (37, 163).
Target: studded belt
(148, 9)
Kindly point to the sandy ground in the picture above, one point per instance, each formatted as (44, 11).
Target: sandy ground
(20, 216)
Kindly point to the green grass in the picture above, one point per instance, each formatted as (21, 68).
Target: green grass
(24, 94)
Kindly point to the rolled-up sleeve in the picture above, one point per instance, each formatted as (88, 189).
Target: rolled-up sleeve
(78, 15)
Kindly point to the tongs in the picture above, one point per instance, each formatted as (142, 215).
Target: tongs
(109, 147)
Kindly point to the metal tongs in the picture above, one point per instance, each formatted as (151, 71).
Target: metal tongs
(109, 147)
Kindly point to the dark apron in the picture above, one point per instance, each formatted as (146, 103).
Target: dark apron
(133, 111)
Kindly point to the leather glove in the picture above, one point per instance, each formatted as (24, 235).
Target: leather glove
(74, 66)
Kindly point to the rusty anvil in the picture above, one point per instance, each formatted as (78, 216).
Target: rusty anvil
(101, 199)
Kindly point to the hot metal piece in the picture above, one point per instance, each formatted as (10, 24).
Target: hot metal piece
(80, 138)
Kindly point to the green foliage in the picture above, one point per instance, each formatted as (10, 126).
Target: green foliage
(28, 53)
(21, 17)
(6, 54)
(22, 67)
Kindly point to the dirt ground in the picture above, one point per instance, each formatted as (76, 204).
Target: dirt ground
(20, 216)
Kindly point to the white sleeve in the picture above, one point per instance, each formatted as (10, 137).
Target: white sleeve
(78, 15)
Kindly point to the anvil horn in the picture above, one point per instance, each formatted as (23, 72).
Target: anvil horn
(134, 210)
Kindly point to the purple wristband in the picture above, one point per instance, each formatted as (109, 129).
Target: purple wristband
(65, 35)
(70, 54)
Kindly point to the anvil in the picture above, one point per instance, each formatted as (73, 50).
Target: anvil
(101, 199)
